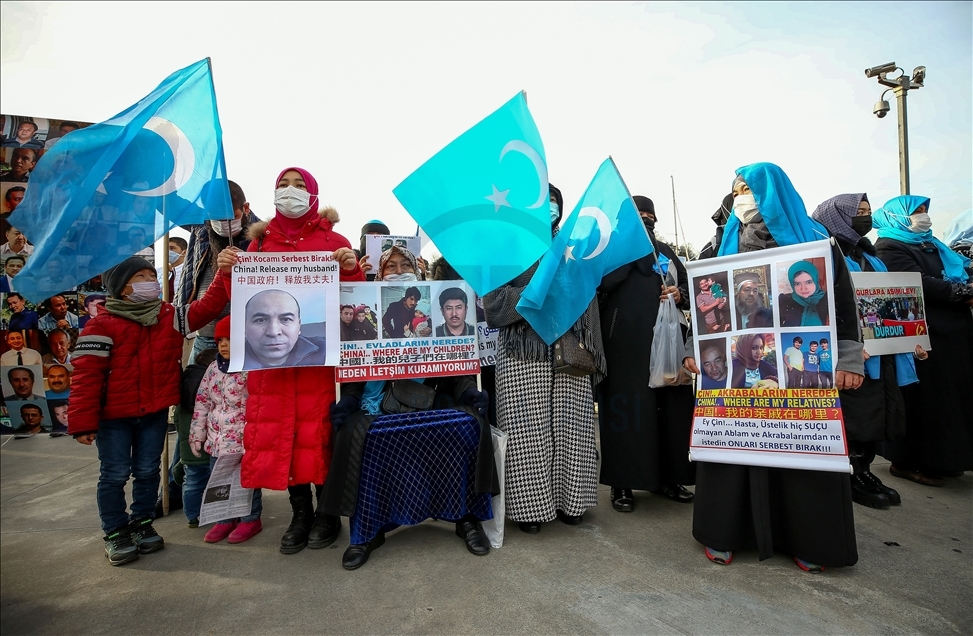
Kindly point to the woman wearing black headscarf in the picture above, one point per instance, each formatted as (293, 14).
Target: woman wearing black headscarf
(874, 412)
(644, 430)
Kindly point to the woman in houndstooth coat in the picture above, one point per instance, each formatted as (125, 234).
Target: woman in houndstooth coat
(551, 464)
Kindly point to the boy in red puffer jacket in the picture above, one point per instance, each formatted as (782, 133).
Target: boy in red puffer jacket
(126, 376)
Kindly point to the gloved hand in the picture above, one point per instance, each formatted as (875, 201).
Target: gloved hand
(342, 410)
(479, 400)
(196, 447)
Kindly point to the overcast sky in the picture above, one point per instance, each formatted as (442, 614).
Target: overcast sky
(362, 94)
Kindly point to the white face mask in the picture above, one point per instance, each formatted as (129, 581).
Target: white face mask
(292, 202)
(409, 277)
(920, 223)
(144, 292)
(555, 212)
(226, 228)
(745, 207)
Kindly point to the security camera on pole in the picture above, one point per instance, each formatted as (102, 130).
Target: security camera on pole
(900, 86)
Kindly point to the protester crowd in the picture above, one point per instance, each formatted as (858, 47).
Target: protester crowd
(123, 371)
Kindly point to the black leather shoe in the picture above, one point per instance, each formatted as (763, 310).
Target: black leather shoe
(355, 556)
(571, 520)
(676, 493)
(622, 499)
(472, 533)
(862, 492)
(324, 531)
(529, 527)
(872, 480)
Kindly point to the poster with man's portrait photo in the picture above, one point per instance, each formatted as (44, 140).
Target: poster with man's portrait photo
(421, 329)
(766, 393)
(29, 417)
(284, 311)
(375, 244)
(712, 303)
(752, 300)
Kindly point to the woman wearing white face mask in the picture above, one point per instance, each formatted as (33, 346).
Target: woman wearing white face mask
(288, 439)
(805, 513)
(938, 439)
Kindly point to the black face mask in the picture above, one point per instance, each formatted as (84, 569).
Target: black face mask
(649, 224)
(862, 224)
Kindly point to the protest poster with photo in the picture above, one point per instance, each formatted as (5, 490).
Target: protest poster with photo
(765, 343)
(375, 244)
(283, 311)
(394, 329)
(891, 311)
(49, 328)
(224, 497)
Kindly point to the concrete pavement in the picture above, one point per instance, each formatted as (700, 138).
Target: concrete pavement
(639, 573)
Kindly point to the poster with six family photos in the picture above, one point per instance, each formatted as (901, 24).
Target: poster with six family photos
(765, 347)
(36, 338)
(283, 307)
(418, 329)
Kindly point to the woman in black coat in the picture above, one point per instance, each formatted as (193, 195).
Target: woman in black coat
(938, 440)
(644, 431)
(875, 412)
(804, 513)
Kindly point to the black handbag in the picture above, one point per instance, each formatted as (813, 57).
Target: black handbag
(572, 357)
(406, 396)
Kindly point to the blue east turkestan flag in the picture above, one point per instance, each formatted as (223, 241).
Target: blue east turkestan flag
(107, 191)
(603, 233)
(484, 199)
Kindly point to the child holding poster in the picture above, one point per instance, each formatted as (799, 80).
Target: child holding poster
(218, 422)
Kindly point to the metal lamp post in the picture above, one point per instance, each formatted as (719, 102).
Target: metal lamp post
(901, 86)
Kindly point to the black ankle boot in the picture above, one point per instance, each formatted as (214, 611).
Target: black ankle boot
(324, 531)
(865, 494)
(295, 537)
(894, 497)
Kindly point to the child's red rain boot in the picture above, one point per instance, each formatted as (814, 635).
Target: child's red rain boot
(246, 530)
(219, 532)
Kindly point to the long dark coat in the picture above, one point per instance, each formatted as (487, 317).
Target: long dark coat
(939, 420)
(644, 431)
(875, 411)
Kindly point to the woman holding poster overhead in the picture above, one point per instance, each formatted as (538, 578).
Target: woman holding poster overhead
(938, 439)
(876, 411)
(806, 514)
(288, 435)
(551, 464)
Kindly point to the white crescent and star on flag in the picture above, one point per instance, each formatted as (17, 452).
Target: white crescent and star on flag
(604, 234)
(183, 159)
(499, 197)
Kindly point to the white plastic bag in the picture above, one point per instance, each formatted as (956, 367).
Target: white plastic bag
(494, 527)
(665, 362)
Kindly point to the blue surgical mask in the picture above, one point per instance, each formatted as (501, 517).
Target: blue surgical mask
(173, 256)
(555, 211)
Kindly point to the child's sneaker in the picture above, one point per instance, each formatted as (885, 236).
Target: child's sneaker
(119, 547)
(219, 532)
(145, 537)
(246, 530)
